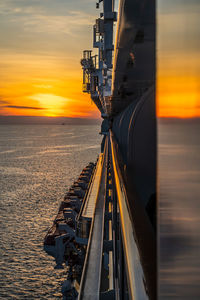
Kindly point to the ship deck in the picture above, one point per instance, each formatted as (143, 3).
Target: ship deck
(90, 202)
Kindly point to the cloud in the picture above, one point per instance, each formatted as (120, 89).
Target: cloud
(70, 24)
(48, 26)
(37, 16)
(8, 7)
(45, 7)
(23, 107)
(3, 101)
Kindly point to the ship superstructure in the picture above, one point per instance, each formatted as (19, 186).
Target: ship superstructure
(97, 68)
(123, 87)
(108, 234)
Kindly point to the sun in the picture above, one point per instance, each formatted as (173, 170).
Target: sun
(51, 104)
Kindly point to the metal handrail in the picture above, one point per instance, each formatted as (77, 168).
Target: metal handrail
(87, 191)
(134, 271)
(83, 277)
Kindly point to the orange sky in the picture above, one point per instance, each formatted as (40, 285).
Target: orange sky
(178, 92)
(41, 47)
(37, 86)
(40, 86)
(178, 59)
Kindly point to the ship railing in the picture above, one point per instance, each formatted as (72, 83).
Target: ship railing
(91, 274)
(83, 224)
(134, 271)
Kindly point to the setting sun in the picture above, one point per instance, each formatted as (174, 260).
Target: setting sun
(40, 68)
(51, 105)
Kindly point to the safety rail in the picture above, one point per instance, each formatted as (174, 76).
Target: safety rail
(91, 275)
(134, 271)
(88, 189)
(83, 226)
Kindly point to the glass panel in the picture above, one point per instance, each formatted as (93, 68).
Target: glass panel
(178, 109)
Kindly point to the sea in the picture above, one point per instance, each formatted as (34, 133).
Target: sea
(38, 163)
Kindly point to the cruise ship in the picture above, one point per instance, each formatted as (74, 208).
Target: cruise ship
(105, 230)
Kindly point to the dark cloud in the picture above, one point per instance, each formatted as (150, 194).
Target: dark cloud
(23, 107)
(3, 101)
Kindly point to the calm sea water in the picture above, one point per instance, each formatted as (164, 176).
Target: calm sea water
(179, 209)
(37, 165)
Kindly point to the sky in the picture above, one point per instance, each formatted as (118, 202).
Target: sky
(178, 58)
(42, 43)
(41, 47)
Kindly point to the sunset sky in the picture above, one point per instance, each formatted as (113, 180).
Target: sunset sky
(42, 43)
(178, 58)
(41, 47)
